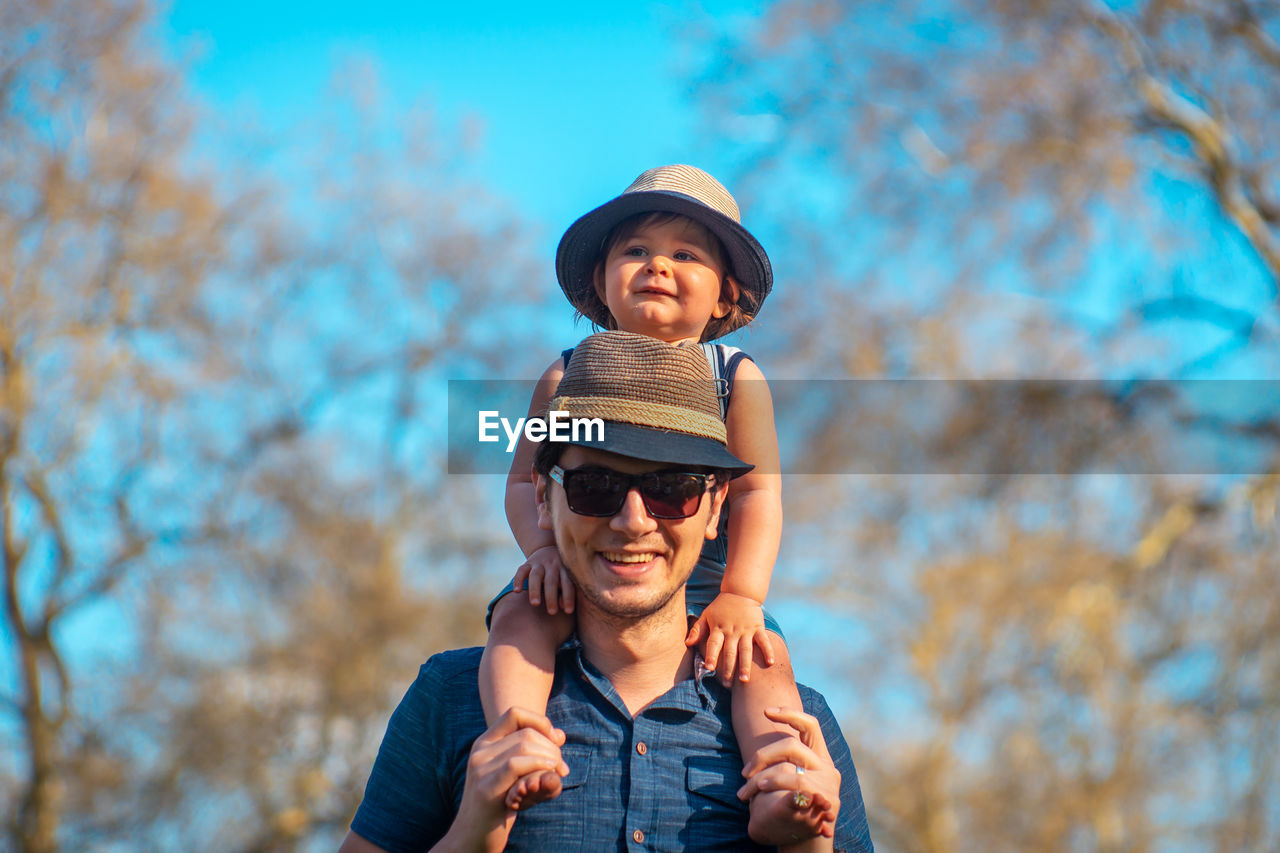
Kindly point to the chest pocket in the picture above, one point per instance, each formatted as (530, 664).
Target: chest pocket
(578, 757)
(717, 818)
(572, 794)
(562, 822)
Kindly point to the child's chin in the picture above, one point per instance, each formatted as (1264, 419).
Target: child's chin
(651, 323)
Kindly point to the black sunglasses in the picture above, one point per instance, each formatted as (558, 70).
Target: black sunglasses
(601, 492)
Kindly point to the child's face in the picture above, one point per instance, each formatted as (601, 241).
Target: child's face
(663, 280)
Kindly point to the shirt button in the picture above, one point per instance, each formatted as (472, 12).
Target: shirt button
(642, 749)
(638, 837)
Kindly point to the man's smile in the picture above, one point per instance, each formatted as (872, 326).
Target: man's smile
(624, 557)
(629, 564)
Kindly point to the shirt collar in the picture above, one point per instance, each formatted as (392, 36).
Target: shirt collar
(691, 694)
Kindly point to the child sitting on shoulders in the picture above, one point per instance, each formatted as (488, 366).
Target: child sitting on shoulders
(668, 259)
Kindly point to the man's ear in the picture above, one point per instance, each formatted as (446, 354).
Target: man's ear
(544, 508)
(730, 290)
(718, 494)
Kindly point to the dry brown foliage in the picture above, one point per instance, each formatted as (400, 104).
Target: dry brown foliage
(1037, 662)
(226, 535)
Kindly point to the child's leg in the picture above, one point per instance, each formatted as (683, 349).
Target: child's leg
(519, 660)
(770, 687)
(518, 668)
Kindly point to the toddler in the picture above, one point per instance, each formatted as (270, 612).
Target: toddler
(669, 259)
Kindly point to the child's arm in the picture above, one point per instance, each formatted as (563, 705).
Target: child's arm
(542, 568)
(518, 665)
(734, 621)
(736, 616)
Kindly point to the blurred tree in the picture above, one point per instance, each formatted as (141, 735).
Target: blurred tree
(1121, 156)
(1066, 189)
(226, 533)
(103, 243)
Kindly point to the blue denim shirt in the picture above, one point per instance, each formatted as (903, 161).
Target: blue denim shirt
(665, 780)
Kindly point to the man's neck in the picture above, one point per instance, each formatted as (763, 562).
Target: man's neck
(642, 658)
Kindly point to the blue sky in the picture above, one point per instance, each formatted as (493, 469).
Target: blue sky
(575, 99)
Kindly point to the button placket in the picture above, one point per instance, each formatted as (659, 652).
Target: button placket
(638, 835)
(642, 811)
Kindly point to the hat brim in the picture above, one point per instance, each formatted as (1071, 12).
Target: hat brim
(581, 244)
(650, 444)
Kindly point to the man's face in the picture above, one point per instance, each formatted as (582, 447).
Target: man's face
(631, 564)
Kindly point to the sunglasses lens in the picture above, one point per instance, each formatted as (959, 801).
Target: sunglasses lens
(594, 492)
(601, 492)
(670, 494)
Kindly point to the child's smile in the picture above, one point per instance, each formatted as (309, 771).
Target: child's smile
(665, 281)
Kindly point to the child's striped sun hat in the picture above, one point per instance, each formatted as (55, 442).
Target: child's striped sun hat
(685, 190)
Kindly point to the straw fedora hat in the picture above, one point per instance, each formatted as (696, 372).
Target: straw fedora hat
(685, 190)
(657, 400)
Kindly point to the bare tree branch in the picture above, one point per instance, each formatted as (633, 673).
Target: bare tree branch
(1244, 21)
(1210, 138)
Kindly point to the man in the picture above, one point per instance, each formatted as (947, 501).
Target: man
(637, 749)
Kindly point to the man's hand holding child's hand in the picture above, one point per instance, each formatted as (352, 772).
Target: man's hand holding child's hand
(520, 744)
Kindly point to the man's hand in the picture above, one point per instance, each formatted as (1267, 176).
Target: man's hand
(519, 744)
(794, 787)
(547, 578)
(731, 624)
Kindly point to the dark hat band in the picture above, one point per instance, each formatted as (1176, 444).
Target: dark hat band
(656, 401)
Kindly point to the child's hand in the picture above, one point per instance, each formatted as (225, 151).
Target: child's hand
(731, 624)
(547, 578)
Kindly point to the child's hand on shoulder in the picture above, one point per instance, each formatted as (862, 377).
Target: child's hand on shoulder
(547, 579)
(731, 625)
